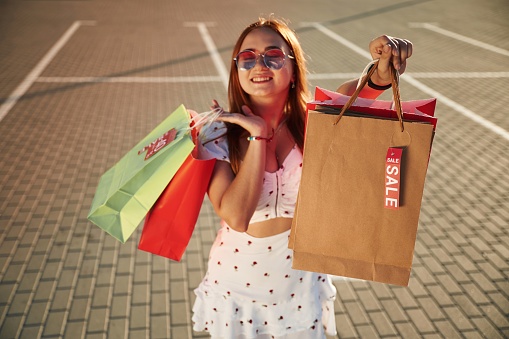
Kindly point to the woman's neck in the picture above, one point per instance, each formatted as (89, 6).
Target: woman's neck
(272, 112)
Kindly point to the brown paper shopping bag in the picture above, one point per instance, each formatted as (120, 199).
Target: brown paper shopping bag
(359, 203)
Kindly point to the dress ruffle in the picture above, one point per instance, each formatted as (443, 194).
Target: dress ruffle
(250, 289)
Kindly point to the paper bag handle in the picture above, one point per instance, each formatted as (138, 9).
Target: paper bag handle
(363, 82)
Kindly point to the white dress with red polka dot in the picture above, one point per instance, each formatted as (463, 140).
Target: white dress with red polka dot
(250, 289)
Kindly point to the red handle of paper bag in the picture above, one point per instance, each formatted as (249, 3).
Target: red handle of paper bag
(395, 93)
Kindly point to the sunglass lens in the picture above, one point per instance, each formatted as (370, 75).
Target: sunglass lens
(274, 59)
(246, 60)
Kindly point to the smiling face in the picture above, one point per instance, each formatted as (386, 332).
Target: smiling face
(273, 92)
(261, 82)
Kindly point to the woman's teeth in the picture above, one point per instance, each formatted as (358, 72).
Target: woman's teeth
(261, 79)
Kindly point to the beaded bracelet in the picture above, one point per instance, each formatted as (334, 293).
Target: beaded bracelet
(375, 86)
(255, 137)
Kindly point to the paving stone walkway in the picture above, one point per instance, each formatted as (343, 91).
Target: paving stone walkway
(82, 81)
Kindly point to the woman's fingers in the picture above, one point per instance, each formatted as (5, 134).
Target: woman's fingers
(405, 49)
(385, 57)
(380, 45)
(215, 105)
(252, 123)
(391, 50)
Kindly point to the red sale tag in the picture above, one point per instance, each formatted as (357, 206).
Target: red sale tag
(393, 177)
(156, 145)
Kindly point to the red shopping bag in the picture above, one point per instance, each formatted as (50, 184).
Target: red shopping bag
(170, 223)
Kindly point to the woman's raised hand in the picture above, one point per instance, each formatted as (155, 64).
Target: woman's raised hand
(252, 123)
(389, 50)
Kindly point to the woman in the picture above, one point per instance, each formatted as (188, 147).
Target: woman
(250, 290)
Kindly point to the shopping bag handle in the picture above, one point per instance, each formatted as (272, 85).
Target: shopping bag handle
(200, 120)
(364, 80)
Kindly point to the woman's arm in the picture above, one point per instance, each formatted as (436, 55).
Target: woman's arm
(388, 50)
(235, 197)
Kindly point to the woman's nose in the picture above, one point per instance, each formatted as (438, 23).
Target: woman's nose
(260, 61)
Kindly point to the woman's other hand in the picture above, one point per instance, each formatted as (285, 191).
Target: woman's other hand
(389, 50)
(252, 123)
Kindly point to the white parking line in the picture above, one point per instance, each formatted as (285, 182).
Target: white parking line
(39, 68)
(338, 38)
(327, 76)
(440, 97)
(425, 75)
(458, 75)
(436, 29)
(211, 47)
(216, 78)
(130, 79)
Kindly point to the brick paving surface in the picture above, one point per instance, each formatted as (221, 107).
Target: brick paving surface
(63, 277)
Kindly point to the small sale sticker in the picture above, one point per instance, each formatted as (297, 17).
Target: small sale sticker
(156, 145)
(393, 177)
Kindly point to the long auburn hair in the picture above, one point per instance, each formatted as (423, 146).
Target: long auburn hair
(295, 108)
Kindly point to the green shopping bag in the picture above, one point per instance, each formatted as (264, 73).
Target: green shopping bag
(128, 190)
